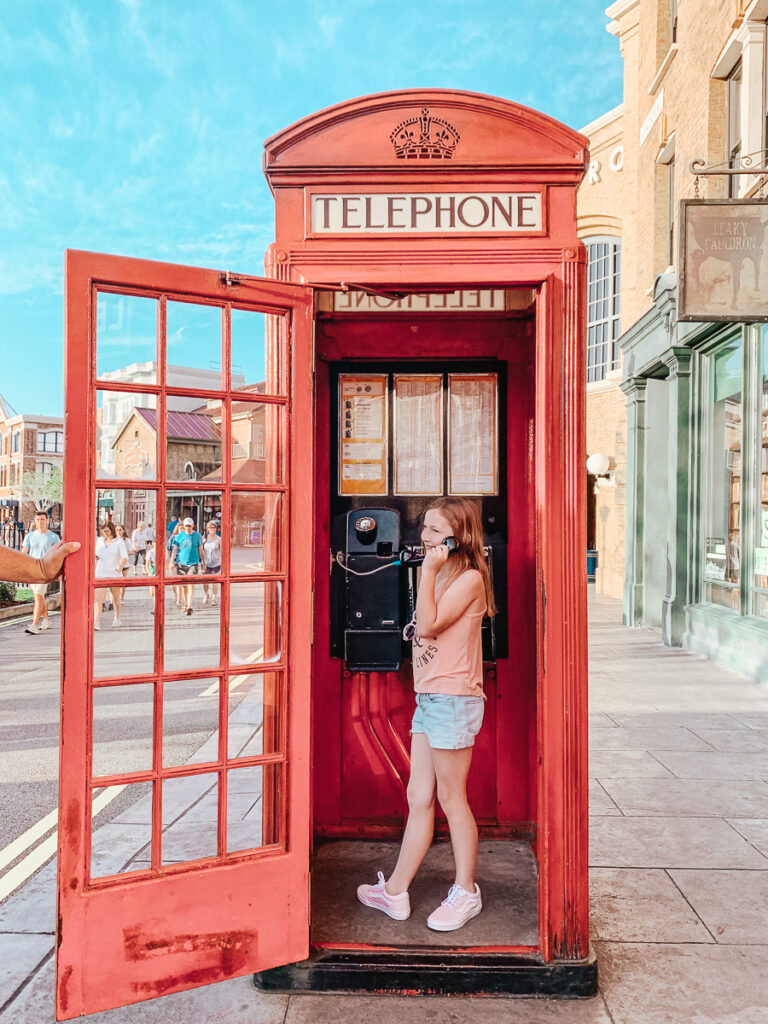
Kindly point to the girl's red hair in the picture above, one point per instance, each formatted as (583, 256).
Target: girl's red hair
(464, 520)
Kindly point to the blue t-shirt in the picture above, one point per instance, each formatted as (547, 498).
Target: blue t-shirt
(188, 545)
(38, 543)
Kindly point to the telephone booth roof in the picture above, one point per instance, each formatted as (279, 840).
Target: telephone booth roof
(471, 132)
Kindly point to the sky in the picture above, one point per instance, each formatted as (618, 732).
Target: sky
(136, 126)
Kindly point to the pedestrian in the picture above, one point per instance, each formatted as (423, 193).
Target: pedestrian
(122, 534)
(212, 548)
(189, 556)
(36, 543)
(139, 539)
(454, 594)
(111, 557)
(171, 567)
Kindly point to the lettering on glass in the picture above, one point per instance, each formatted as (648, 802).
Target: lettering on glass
(422, 213)
(463, 301)
(473, 433)
(362, 447)
(418, 416)
(724, 260)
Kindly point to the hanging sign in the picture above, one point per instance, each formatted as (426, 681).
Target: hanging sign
(723, 260)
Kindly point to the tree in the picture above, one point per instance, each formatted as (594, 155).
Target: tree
(41, 490)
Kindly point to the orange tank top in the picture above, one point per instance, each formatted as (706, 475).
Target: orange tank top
(451, 663)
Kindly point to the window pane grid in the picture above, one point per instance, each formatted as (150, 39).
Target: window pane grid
(603, 307)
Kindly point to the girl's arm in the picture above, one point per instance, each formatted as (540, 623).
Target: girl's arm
(467, 593)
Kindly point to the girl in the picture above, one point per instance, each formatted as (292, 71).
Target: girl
(212, 548)
(111, 557)
(454, 594)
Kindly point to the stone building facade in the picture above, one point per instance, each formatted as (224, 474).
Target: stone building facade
(600, 224)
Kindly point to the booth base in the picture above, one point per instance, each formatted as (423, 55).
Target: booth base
(357, 949)
(429, 972)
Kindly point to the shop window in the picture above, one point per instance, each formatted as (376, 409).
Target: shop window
(603, 309)
(723, 476)
(760, 582)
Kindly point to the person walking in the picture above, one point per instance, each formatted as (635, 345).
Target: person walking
(454, 594)
(36, 543)
(140, 539)
(188, 554)
(111, 557)
(122, 534)
(212, 548)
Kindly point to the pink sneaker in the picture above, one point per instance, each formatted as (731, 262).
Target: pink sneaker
(376, 896)
(458, 907)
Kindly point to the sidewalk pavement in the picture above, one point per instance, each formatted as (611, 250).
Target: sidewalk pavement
(678, 854)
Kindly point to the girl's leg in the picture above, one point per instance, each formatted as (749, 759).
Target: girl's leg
(420, 826)
(451, 769)
(117, 600)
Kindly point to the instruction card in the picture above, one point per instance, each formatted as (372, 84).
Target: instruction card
(418, 441)
(473, 441)
(363, 449)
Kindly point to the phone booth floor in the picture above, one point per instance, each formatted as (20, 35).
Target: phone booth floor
(506, 876)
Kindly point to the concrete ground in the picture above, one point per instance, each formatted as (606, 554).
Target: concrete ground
(679, 868)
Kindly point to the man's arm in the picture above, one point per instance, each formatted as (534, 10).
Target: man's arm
(22, 568)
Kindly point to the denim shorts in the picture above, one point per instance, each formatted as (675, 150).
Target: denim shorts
(449, 723)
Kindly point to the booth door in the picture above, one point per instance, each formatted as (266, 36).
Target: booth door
(184, 799)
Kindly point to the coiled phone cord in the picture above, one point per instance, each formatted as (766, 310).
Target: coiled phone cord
(340, 560)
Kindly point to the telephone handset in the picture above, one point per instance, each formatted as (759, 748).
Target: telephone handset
(415, 555)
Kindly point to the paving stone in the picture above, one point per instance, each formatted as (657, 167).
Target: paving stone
(228, 1002)
(663, 738)
(645, 983)
(754, 830)
(693, 720)
(688, 797)
(19, 955)
(599, 801)
(732, 904)
(333, 1009)
(641, 905)
(666, 842)
(32, 908)
(715, 765)
(626, 764)
(736, 741)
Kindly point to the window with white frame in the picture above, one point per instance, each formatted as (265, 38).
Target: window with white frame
(603, 308)
(45, 468)
(16, 444)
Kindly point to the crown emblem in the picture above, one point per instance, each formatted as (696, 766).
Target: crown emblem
(427, 137)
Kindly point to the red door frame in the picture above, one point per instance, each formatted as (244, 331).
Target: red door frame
(127, 939)
(347, 149)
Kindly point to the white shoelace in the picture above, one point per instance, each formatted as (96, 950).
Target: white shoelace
(454, 895)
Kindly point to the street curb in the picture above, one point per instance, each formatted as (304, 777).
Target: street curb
(24, 608)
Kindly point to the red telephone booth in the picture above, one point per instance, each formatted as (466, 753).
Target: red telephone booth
(421, 333)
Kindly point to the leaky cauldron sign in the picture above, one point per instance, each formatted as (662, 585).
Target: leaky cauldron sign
(723, 259)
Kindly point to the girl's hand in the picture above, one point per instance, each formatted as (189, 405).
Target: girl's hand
(436, 557)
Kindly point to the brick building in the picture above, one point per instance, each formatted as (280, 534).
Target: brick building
(696, 505)
(28, 444)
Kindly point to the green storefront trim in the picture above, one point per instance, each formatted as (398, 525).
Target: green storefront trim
(657, 349)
